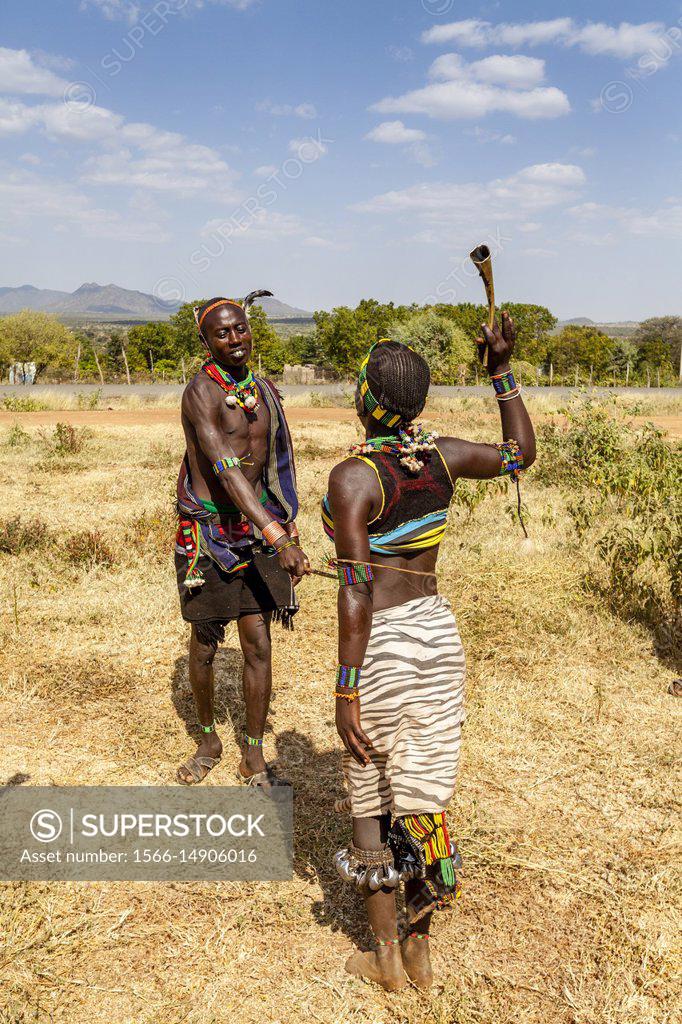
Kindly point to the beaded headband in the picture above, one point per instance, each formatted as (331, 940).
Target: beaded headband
(383, 416)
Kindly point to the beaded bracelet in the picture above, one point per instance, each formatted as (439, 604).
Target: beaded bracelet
(352, 574)
(220, 465)
(348, 682)
(273, 532)
(505, 386)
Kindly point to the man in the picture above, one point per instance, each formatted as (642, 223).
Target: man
(237, 554)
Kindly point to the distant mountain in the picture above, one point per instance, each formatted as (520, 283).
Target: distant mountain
(623, 329)
(105, 301)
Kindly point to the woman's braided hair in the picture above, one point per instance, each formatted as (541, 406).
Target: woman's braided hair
(399, 379)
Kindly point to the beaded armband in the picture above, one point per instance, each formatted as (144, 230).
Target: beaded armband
(348, 682)
(505, 386)
(512, 459)
(227, 463)
(352, 574)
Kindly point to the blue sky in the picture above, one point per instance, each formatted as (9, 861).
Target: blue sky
(337, 151)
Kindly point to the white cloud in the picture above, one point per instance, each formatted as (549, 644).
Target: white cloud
(595, 38)
(516, 72)
(664, 221)
(475, 205)
(395, 133)
(19, 73)
(315, 242)
(449, 101)
(136, 154)
(132, 10)
(30, 158)
(24, 196)
(308, 149)
(265, 171)
(459, 90)
(492, 135)
(306, 111)
(261, 226)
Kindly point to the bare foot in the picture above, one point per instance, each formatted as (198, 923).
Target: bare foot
(417, 961)
(195, 770)
(384, 967)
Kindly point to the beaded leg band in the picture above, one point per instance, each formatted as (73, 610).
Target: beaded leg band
(387, 942)
(207, 728)
(252, 741)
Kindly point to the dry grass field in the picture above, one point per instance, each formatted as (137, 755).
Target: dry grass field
(567, 809)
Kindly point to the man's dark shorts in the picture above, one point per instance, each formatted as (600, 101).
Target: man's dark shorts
(263, 586)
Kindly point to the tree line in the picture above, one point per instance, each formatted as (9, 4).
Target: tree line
(444, 334)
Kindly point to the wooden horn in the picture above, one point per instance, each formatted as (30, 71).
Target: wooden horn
(483, 261)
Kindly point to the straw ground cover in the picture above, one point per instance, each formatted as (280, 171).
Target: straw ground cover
(567, 804)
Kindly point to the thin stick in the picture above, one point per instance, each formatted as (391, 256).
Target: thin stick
(378, 565)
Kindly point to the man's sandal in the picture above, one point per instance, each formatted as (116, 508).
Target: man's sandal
(266, 778)
(198, 768)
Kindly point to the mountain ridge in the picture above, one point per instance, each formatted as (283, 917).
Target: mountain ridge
(93, 299)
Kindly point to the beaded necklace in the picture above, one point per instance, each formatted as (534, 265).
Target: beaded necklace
(243, 393)
(407, 445)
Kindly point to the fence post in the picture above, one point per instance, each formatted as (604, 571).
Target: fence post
(648, 377)
(78, 359)
(125, 360)
(551, 374)
(184, 375)
(576, 377)
(627, 375)
(99, 368)
(591, 374)
(151, 362)
(658, 377)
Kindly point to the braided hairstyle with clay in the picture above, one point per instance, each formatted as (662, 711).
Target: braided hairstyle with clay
(399, 379)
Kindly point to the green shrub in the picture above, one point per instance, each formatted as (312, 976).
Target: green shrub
(19, 403)
(67, 439)
(627, 498)
(17, 437)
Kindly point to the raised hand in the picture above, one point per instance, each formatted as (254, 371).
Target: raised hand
(499, 343)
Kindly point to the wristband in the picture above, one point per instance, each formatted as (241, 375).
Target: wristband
(220, 465)
(273, 532)
(289, 544)
(293, 531)
(348, 677)
(505, 386)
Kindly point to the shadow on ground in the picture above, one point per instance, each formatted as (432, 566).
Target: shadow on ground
(317, 780)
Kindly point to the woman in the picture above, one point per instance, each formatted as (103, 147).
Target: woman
(399, 693)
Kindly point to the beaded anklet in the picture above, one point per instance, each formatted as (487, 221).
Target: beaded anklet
(418, 935)
(387, 942)
(251, 742)
(207, 728)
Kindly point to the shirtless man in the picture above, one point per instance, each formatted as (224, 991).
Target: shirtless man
(237, 553)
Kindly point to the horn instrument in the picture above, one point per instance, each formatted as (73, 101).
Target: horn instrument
(482, 259)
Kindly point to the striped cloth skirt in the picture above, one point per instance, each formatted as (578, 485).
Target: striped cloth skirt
(412, 709)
